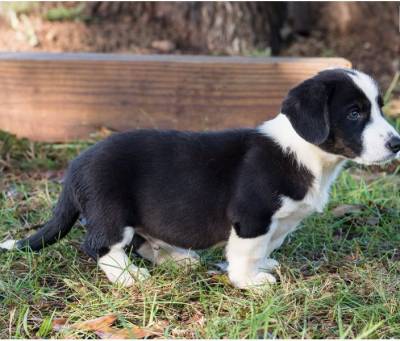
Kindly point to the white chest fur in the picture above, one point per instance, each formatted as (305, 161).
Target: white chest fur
(316, 198)
(292, 212)
(323, 166)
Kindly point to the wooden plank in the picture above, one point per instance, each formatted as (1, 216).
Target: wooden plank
(59, 97)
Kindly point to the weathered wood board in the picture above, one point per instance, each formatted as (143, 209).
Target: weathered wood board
(59, 97)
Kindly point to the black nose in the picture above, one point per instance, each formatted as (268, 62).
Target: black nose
(394, 144)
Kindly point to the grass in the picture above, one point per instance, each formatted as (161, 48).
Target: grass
(67, 13)
(339, 276)
(55, 12)
(19, 7)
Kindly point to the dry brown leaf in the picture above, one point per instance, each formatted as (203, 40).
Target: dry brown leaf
(125, 333)
(59, 324)
(95, 324)
(102, 327)
(342, 210)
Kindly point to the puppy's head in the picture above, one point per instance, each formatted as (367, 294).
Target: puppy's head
(339, 110)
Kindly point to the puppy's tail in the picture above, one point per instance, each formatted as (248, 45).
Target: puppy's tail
(65, 215)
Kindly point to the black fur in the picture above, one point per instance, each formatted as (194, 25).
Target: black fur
(260, 184)
(186, 189)
(306, 106)
(64, 216)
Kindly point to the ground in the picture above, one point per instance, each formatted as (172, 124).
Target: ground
(339, 274)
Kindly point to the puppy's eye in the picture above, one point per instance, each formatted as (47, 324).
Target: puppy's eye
(354, 115)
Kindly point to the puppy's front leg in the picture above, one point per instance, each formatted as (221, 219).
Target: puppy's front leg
(246, 258)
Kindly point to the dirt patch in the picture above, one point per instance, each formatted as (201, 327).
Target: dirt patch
(372, 44)
(368, 34)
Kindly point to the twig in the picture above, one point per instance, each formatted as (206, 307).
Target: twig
(391, 87)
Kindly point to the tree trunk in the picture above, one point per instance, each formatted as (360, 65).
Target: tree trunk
(220, 27)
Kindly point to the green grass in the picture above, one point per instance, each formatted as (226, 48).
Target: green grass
(67, 13)
(339, 277)
(19, 7)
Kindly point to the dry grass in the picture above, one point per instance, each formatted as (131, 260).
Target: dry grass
(339, 275)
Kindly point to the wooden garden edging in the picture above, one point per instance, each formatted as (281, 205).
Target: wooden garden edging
(59, 97)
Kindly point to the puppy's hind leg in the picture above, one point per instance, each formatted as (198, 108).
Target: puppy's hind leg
(159, 252)
(142, 248)
(116, 264)
(181, 256)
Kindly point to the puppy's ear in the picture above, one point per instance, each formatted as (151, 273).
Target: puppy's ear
(306, 106)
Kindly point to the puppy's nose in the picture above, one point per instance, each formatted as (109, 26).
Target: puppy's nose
(394, 144)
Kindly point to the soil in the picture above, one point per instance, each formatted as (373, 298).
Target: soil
(373, 46)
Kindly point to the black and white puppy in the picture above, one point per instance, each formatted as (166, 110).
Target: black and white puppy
(168, 193)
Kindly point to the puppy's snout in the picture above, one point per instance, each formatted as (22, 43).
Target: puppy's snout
(393, 144)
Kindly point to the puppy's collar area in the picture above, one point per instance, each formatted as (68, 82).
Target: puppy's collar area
(282, 132)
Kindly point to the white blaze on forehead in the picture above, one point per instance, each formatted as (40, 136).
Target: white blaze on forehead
(366, 84)
(369, 87)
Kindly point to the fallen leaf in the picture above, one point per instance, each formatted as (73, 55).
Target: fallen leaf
(96, 324)
(102, 328)
(126, 333)
(59, 324)
(342, 210)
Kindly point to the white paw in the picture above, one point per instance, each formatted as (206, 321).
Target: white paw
(251, 281)
(268, 264)
(129, 276)
(181, 257)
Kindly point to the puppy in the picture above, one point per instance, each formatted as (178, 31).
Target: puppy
(167, 193)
